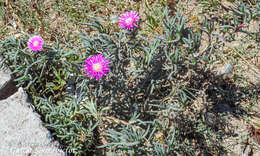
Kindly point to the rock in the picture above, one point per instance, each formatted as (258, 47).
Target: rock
(247, 151)
(114, 18)
(226, 70)
(21, 130)
(7, 86)
(4, 73)
(4, 78)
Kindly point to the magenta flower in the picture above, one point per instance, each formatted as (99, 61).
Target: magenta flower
(96, 66)
(35, 43)
(128, 20)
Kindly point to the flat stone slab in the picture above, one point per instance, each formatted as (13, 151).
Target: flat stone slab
(21, 130)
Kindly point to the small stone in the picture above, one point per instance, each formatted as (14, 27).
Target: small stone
(114, 18)
(100, 19)
(226, 70)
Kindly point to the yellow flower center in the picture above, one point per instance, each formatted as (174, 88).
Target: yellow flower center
(129, 20)
(97, 67)
(35, 43)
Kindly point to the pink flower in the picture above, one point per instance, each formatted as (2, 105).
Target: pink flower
(96, 66)
(128, 20)
(35, 43)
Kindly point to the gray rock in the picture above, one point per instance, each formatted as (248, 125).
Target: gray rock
(7, 89)
(4, 78)
(114, 18)
(247, 151)
(7, 86)
(21, 130)
(4, 73)
(226, 70)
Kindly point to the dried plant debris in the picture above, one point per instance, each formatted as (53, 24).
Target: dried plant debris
(255, 133)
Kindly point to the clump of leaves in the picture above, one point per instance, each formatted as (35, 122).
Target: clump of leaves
(144, 82)
(46, 76)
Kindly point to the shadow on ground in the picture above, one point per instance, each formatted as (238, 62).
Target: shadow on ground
(205, 128)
